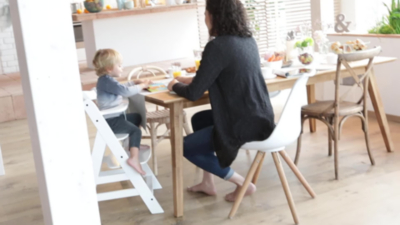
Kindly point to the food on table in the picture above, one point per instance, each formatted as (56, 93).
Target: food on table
(357, 45)
(337, 47)
(79, 11)
(306, 58)
(108, 6)
(86, 11)
(275, 58)
(190, 69)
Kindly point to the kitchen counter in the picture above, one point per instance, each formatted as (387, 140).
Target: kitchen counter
(113, 13)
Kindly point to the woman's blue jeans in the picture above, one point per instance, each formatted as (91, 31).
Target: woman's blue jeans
(198, 147)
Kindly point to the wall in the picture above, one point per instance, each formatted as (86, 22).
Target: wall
(8, 53)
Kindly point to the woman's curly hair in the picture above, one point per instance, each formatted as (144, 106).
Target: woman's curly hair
(228, 18)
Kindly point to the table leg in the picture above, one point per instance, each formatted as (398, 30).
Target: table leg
(2, 171)
(380, 111)
(176, 119)
(311, 99)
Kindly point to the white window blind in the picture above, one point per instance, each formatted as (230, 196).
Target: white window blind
(270, 20)
(337, 8)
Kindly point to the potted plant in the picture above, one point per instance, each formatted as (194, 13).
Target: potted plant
(390, 24)
(305, 48)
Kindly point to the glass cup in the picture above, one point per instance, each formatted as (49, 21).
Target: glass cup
(176, 70)
(197, 57)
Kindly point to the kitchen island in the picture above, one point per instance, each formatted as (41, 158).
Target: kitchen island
(142, 35)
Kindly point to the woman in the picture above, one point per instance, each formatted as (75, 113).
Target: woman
(241, 109)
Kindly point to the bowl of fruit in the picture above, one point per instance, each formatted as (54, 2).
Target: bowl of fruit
(306, 58)
(305, 48)
(94, 6)
(273, 60)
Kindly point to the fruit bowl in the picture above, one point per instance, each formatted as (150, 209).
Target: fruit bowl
(306, 58)
(94, 6)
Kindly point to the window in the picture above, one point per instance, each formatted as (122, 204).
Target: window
(270, 20)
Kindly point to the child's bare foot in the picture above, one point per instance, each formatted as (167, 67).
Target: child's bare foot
(203, 187)
(134, 162)
(231, 197)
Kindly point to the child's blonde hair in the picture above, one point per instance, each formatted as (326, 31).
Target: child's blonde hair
(106, 59)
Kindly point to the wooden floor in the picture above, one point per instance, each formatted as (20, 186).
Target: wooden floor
(365, 194)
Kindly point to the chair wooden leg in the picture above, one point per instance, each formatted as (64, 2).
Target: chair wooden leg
(365, 129)
(257, 173)
(246, 184)
(329, 143)
(285, 186)
(153, 135)
(297, 173)
(296, 159)
(336, 146)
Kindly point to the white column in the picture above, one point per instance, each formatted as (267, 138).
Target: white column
(57, 123)
(2, 171)
(322, 11)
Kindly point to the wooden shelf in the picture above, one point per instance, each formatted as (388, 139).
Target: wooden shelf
(364, 35)
(113, 13)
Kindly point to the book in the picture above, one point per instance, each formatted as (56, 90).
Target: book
(157, 87)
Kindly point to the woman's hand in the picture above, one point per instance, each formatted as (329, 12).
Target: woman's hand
(171, 84)
(185, 80)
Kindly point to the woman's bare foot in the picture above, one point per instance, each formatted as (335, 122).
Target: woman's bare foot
(134, 162)
(231, 197)
(204, 187)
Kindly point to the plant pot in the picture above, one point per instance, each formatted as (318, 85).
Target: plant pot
(94, 6)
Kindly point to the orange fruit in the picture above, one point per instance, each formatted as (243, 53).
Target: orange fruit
(79, 11)
(108, 6)
(86, 11)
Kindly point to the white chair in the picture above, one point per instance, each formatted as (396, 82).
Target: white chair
(286, 132)
(105, 137)
(2, 171)
(157, 118)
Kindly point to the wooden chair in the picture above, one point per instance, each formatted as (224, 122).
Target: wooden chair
(335, 113)
(2, 171)
(157, 118)
(143, 186)
(287, 130)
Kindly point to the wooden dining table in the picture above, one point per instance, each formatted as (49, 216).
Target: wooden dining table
(176, 105)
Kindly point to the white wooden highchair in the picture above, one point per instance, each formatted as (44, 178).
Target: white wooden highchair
(143, 186)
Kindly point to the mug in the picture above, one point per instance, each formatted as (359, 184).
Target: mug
(120, 4)
(267, 72)
(129, 5)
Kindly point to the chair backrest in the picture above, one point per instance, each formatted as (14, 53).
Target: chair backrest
(288, 128)
(145, 69)
(360, 80)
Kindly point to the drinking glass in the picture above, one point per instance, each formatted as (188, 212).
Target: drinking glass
(197, 57)
(176, 69)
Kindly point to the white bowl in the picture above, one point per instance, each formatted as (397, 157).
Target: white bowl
(267, 73)
(274, 65)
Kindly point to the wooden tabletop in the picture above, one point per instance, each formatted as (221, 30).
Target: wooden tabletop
(279, 83)
(113, 13)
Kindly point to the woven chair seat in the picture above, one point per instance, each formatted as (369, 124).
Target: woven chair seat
(325, 108)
